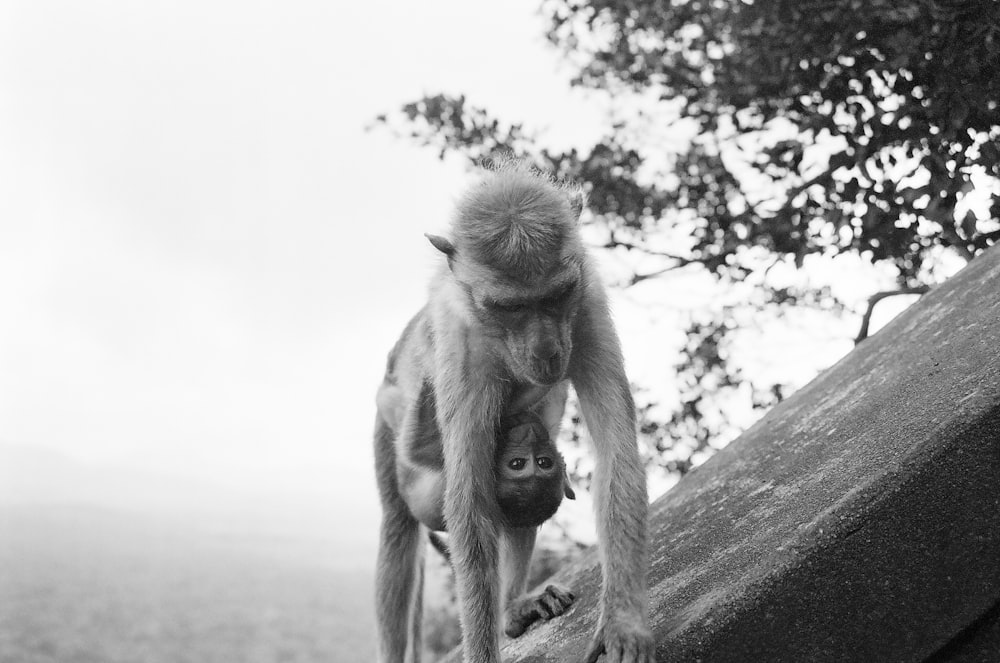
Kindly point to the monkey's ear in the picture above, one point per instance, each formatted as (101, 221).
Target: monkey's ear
(441, 244)
(576, 202)
(567, 488)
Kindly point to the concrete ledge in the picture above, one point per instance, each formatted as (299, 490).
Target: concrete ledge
(978, 643)
(858, 521)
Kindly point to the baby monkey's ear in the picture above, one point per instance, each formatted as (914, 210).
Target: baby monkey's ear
(567, 487)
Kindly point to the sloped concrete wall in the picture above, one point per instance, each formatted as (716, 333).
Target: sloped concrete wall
(979, 643)
(858, 521)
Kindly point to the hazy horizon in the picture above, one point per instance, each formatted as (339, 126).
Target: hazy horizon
(34, 476)
(104, 585)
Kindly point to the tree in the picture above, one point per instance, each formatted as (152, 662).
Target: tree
(814, 130)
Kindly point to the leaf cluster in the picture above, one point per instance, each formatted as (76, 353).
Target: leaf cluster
(899, 101)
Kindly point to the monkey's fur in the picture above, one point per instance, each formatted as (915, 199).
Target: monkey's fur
(531, 481)
(530, 473)
(514, 316)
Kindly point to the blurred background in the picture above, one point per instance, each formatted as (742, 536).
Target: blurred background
(211, 219)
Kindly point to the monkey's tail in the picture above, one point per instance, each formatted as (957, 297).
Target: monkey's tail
(440, 545)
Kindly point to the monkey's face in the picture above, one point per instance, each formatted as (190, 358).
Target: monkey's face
(534, 325)
(531, 475)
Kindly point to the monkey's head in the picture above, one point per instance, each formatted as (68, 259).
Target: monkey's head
(531, 473)
(517, 257)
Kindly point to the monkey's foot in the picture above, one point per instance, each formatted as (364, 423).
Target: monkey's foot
(524, 611)
(623, 640)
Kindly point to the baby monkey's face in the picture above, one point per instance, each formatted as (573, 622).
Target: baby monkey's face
(527, 451)
(531, 474)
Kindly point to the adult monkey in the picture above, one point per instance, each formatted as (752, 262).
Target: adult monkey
(517, 311)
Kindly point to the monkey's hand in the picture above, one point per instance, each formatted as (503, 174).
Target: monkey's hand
(622, 641)
(525, 610)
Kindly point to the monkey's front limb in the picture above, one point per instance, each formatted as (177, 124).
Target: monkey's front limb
(475, 557)
(468, 420)
(623, 632)
(619, 482)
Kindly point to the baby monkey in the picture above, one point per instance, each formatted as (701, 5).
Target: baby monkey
(531, 477)
(531, 480)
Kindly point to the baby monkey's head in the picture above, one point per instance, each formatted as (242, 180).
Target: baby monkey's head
(531, 473)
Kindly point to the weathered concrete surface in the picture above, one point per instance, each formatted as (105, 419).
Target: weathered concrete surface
(858, 521)
(979, 643)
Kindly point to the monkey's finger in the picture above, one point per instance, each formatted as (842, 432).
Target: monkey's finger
(645, 652)
(630, 652)
(596, 649)
(634, 650)
(555, 600)
(543, 609)
(517, 627)
(561, 594)
(648, 653)
(616, 648)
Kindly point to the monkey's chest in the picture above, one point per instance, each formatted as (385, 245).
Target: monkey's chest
(546, 402)
(526, 397)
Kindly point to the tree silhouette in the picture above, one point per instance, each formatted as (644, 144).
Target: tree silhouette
(798, 130)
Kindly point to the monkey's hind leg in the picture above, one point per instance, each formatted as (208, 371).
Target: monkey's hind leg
(522, 610)
(400, 566)
(546, 604)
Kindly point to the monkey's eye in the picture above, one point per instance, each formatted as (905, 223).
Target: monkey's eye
(516, 463)
(558, 298)
(508, 307)
(555, 302)
(544, 462)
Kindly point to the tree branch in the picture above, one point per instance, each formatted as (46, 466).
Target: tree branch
(631, 246)
(876, 298)
(636, 278)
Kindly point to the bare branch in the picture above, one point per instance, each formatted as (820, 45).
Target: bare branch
(637, 278)
(876, 298)
(631, 246)
(679, 261)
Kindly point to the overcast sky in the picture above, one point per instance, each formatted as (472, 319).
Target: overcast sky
(204, 257)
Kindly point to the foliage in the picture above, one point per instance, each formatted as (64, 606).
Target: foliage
(812, 129)
(903, 95)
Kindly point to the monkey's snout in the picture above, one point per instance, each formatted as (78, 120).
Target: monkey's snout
(547, 367)
(547, 350)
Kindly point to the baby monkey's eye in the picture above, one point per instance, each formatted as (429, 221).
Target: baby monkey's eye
(516, 463)
(544, 462)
